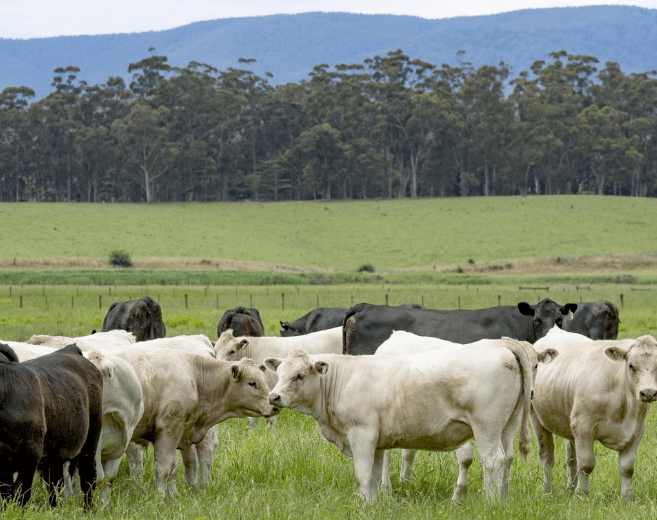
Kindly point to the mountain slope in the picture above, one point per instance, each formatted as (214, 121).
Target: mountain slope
(289, 46)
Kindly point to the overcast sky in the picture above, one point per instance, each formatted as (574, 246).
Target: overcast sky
(42, 18)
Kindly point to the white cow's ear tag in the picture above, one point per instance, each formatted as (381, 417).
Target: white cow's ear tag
(547, 359)
(570, 315)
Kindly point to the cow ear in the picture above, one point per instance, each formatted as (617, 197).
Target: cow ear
(616, 353)
(235, 372)
(547, 355)
(321, 367)
(243, 343)
(525, 309)
(262, 367)
(568, 309)
(272, 363)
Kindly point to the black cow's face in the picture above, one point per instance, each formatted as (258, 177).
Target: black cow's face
(546, 314)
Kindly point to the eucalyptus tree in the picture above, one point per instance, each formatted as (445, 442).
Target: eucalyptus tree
(147, 151)
(15, 138)
(396, 85)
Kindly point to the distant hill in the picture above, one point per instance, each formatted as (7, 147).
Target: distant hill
(289, 46)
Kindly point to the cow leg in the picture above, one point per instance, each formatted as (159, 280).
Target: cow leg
(493, 459)
(408, 456)
(110, 470)
(571, 464)
(166, 462)
(626, 459)
(377, 467)
(386, 484)
(363, 448)
(135, 454)
(53, 474)
(464, 456)
(585, 462)
(190, 463)
(545, 441)
(22, 487)
(253, 422)
(6, 485)
(206, 450)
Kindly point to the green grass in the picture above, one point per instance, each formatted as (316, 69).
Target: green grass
(389, 234)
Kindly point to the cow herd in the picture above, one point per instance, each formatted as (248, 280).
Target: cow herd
(375, 378)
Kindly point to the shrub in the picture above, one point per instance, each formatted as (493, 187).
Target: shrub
(120, 258)
(366, 268)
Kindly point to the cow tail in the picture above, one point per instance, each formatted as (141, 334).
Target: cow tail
(519, 350)
(347, 325)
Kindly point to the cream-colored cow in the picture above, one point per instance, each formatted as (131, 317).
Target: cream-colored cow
(433, 400)
(593, 391)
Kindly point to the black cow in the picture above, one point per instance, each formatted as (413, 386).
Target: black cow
(366, 326)
(142, 317)
(51, 412)
(245, 321)
(596, 320)
(322, 318)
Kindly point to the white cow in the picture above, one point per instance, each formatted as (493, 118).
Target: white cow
(402, 343)
(434, 400)
(91, 341)
(259, 348)
(26, 351)
(123, 407)
(185, 395)
(595, 390)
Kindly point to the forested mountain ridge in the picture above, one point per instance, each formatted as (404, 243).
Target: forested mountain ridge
(289, 46)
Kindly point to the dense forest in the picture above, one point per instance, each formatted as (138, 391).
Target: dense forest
(391, 126)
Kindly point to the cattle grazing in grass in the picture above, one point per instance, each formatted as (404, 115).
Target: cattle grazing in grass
(244, 321)
(51, 414)
(367, 326)
(593, 391)
(142, 317)
(434, 400)
(595, 320)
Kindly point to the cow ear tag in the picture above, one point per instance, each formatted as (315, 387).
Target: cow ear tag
(570, 315)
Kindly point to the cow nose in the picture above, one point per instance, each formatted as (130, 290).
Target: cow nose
(274, 398)
(648, 396)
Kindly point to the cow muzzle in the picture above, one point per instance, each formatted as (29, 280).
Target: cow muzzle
(648, 396)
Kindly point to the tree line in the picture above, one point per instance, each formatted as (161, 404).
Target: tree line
(392, 126)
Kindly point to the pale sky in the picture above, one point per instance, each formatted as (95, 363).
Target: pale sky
(43, 18)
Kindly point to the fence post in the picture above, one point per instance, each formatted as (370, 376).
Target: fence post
(185, 300)
(317, 301)
(217, 300)
(282, 301)
(100, 301)
(622, 302)
(20, 299)
(251, 300)
(386, 298)
(459, 300)
(499, 299)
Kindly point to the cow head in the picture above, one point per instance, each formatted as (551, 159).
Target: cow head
(230, 348)
(298, 380)
(546, 314)
(640, 358)
(248, 391)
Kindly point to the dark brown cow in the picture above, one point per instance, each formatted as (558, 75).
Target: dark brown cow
(51, 412)
(142, 317)
(244, 321)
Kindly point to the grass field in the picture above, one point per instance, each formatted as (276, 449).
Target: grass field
(294, 472)
(388, 234)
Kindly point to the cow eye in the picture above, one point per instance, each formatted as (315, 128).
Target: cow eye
(300, 377)
(631, 367)
(253, 384)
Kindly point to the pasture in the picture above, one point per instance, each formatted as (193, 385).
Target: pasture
(391, 235)
(294, 472)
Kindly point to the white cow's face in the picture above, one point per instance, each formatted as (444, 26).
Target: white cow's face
(248, 392)
(640, 359)
(298, 383)
(228, 347)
